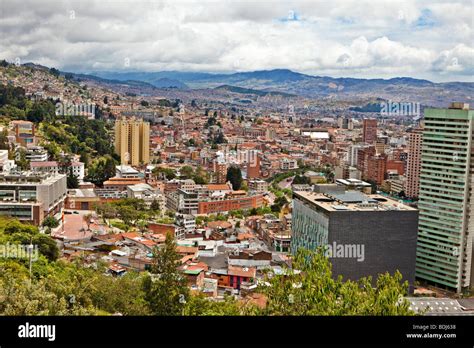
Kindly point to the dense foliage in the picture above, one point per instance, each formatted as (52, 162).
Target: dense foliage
(60, 287)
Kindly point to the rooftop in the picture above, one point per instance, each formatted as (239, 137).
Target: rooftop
(352, 201)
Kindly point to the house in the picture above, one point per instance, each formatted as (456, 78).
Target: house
(237, 275)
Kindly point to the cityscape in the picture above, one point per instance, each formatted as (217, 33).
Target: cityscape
(237, 159)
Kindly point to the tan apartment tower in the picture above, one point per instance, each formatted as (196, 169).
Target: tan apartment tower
(132, 141)
(412, 184)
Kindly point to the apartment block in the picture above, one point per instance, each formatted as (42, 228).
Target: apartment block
(446, 197)
(31, 197)
(412, 184)
(132, 141)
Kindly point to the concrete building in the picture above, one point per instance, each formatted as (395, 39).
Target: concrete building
(366, 235)
(219, 168)
(183, 202)
(369, 131)
(258, 185)
(132, 141)
(53, 167)
(446, 198)
(31, 197)
(224, 205)
(415, 141)
(34, 154)
(124, 171)
(288, 164)
(253, 165)
(6, 165)
(147, 193)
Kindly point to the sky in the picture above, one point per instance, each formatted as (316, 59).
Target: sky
(341, 38)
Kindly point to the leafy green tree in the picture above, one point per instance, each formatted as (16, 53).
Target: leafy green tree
(128, 214)
(22, 162)
(301, 179)
(186, 172)
(101, 170)
(279, 203)
(155, 206)
(168, 173)
(4, 144)
(166, 291)
(72, 180)
(314, 291)
(41, 110)
(234, 175)
(50, 222)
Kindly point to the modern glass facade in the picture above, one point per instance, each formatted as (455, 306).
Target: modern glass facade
(444, 247)
(309, 226)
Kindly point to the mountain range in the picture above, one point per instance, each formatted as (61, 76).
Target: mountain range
(289, 83)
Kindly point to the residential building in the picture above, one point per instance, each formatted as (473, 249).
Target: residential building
(24, 132)
(369, 131)
(446, 198)
(258, 185)
(288, 164)
(53, 167)
(412, 184)
(132, 141)
(34, 154)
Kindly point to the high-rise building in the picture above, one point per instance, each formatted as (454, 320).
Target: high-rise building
(352, 154)
(369, 131)
(446, 198)
(357, 228)
(412, 184)
(132, 141)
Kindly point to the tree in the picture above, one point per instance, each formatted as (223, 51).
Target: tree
(168, 173)
(186, 172)
(142, 225)
(50, 222)
(4, 144)
(155, 205)
(128, 214)
(301, 179)
(234, 175)
(41, 110)
(279, 203)
(72, 180)
(166, 291)
(101, 170)
(314, 291)
(22, 162)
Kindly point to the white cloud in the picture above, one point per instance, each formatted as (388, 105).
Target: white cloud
(339, 37)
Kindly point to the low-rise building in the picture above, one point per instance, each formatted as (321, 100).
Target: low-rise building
(31, 197)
